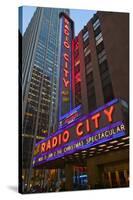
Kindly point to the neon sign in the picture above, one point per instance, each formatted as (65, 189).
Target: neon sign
(65, 64)
(104, 124)
(71, 116)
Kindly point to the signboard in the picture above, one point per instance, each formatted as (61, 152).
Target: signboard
(102, 125)
(71, 116)
(66, 31)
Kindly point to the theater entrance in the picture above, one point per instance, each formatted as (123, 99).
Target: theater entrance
(116, 175)
(80, 178)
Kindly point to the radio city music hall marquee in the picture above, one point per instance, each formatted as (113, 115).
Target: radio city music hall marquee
(102, 125)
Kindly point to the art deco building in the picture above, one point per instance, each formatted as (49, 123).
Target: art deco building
(101, 74)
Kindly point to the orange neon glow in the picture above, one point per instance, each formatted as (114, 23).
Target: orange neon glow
(109, 113)
(87, 125)
(66, 21)
(66, 65)
(77, 78)
(43, 145)
(54, 142)
(66, 44)
(66, 57)
(81, 128)
(96, 119)
(79, 132)
(66, 32)
(66, 82)
(65, 93)
(66, 72)
(48, 146)
(65, 136)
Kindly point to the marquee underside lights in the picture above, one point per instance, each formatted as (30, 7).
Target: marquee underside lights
(102, 125)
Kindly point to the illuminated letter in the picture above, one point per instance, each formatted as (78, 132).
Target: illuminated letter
(66, 72)
(95, 118)
(43, 145)
(66, 27)
(77, 77)
(66, 32)
(66, 21)
(66, 57)
(65, 93)
(87, 125)
(66, 65)
(66, 44)
(65, 136)
(48, 145)
(59, 139)
(66, 82)
(108, 113)
(54, 142)
(79, 132)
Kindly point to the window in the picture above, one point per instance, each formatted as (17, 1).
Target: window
(88, 59)
(89, 77)
(87, 51)
(99, 40)
(100, 55)
(97, 31)
(100, 47)
(86, 43)
(108, 93)
(90, 90)
(86, 36)
(98, 36)
(96, 24)
(91, 103)
(88, 68)
(102, 59)
(103, 66)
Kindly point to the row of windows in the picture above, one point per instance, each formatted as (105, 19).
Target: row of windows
(86, 36)
(88, 59)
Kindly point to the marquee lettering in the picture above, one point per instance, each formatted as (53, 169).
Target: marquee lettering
(81, 128)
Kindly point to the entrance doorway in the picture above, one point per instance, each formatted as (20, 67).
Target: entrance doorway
(80, 178)
(114, 176)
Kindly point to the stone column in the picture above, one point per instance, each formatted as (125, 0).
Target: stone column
(69, 177)
(93, 173)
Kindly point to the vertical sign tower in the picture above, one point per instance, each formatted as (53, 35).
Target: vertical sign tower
(65, 82)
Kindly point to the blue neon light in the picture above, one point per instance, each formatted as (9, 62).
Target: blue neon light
(71, 112)
(114, 101)
(89, 145)
(61, 70)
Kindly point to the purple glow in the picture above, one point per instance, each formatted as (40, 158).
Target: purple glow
(84, 137)
(117, 135)
(63, 50)
(114, 101)
(109, 127)
(71, 112)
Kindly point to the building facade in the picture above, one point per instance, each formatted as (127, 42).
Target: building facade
(40, 74)
(101, 74)
(101, 60)
(100, 97)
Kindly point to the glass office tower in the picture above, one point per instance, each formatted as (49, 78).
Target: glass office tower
(40, 74)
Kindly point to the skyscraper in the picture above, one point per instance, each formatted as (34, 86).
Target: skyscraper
(40, 73)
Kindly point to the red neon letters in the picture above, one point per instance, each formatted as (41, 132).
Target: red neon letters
(55, 141)
(83, 127)
(66, 55)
